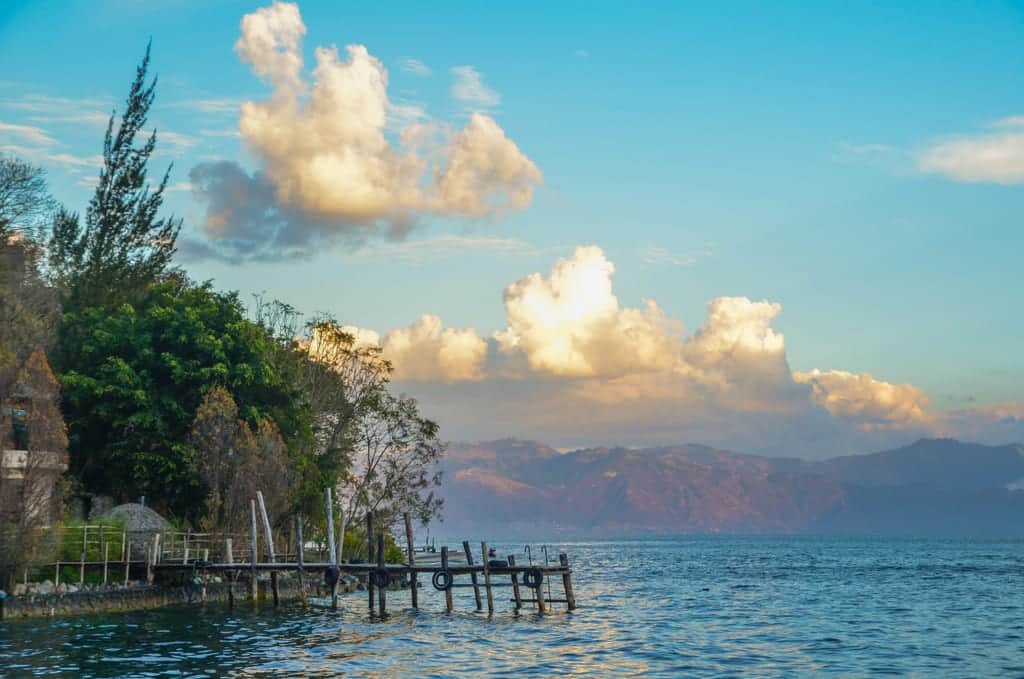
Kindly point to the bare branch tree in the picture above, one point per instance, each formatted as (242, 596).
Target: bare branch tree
(25, 201)
(234, 463)
(395, 461)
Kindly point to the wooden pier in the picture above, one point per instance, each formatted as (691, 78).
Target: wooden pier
(530, 583)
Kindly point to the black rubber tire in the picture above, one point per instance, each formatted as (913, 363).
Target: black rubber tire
(442, 580)
(533, 578)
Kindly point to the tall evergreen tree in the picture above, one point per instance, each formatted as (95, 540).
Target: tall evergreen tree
(124, 244)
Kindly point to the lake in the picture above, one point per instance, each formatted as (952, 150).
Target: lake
(694, 606)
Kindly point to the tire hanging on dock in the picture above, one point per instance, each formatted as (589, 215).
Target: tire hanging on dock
(442, 580)
(533, 578)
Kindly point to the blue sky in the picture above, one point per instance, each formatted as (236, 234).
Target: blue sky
(769, 151)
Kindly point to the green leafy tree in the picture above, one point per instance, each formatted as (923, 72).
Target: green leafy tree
(123, 245)
(139, 372)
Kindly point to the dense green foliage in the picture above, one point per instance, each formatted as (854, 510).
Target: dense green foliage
(136, 374)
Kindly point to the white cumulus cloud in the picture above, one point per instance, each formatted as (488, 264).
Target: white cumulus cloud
(570, 323)
(868, 402)
(427, 351)
(573, 364)
(326, 152)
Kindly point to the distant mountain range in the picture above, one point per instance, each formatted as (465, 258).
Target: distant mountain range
(931, 487)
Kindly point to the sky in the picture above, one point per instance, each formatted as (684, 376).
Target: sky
(784, 228)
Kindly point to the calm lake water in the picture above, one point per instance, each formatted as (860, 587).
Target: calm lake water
(699, 606)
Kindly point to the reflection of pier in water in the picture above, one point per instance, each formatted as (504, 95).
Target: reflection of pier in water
(530, 583)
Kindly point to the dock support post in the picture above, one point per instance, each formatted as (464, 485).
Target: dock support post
(570, 598)
(487, 578)
(369, 557)
(540, 594)
(254, 546)
(152, 558)
(381, 591)
(229, 558)
(269, 544)
(127, 562)
(81, 572)
(300, 557)
(447, 592)
(515, 583)
(332, 557)
(341, 537)
(412, 560)
(106, 558)
(472, 576)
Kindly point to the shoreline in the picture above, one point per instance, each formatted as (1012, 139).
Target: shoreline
(137, 597)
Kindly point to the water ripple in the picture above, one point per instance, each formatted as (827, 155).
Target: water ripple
(707, 606)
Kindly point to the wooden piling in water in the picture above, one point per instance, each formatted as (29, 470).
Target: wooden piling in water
(369, 557)
(254, 546)
(570, 597)
(341, 536)
(487, 578)
(412, 560)
(447, 592)
(81, 565)
(515, 584)
(229, 557)
(332, 558)
(106, 558)
(300, 548)
(381, 591)
(472, 576)
(268, 545)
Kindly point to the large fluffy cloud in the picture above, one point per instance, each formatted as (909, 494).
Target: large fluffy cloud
(570, 323)
(427, 351)
(329, 164)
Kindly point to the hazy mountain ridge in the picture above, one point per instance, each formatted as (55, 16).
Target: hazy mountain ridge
(933, 486)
